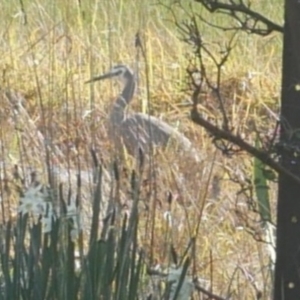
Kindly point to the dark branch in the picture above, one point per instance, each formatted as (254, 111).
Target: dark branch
(238, 8)
(236, 140)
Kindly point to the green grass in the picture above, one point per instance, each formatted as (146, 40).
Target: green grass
(62, 44)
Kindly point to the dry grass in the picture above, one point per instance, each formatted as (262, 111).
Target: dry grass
(48, 52)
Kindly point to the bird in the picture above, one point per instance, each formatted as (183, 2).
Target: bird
(139, 131)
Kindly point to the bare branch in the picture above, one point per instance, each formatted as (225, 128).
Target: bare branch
(248, 19)
(228, 136)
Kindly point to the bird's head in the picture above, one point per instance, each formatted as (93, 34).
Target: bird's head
(120, 72)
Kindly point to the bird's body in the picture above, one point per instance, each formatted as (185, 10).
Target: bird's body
(139, 131)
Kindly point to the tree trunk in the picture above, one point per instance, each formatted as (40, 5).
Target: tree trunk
(287, 270)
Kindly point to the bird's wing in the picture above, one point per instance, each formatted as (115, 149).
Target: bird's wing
(140, 130)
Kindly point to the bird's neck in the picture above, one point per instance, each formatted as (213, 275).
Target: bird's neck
(118, 111)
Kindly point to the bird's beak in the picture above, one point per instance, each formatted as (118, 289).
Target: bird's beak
(101, 77)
